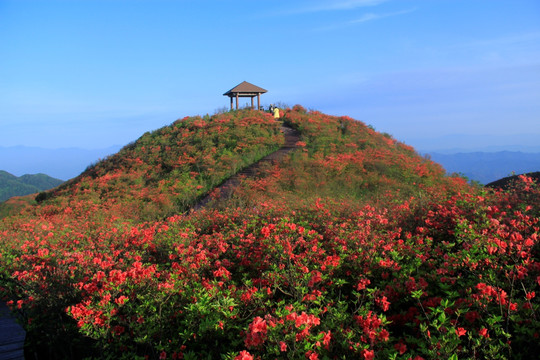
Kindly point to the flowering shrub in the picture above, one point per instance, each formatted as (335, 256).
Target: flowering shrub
(433, 270)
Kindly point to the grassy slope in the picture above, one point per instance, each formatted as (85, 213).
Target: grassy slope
(164, 172)
(344, 160)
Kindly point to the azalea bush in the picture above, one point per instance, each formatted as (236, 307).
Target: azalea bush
(439, 269)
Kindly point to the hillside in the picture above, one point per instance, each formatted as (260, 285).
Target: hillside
(11, 185)
(350, 246)
(166, 171)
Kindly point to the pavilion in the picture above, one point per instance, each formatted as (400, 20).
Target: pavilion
(245, 89)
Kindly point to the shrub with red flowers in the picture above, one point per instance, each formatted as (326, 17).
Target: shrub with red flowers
(412, 265)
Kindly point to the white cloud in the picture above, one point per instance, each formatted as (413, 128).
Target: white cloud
(372, 16)
(339, 5)
(365, 18)
(347, 5)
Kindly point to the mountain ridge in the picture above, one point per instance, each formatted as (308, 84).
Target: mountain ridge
(11, 185)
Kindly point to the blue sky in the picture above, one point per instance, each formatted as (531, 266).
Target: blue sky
(433, 73)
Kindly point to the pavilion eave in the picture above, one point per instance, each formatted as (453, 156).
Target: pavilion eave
(242, 94)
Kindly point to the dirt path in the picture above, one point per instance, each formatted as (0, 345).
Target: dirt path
(226, 189)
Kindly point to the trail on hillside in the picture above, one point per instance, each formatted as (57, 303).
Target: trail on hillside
(226, 189)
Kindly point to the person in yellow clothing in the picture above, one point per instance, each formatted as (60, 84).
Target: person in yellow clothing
(276, 113)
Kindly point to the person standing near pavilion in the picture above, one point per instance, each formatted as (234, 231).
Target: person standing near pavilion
(276, 113)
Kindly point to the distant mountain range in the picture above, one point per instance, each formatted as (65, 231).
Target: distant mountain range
(486, 167)
(59, 163)
(11, 185)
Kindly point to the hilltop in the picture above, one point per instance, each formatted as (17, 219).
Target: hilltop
(168, 170)
(351, 245)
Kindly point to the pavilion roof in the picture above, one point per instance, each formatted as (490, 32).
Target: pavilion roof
(245, 88)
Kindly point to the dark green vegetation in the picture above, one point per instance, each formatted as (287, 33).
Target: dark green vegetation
(353, 246)
(509, 182)
(11, 185)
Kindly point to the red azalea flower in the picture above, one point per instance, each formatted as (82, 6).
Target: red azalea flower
(368, 354)
(244, 355)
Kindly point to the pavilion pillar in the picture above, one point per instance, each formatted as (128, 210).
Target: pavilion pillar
(258, 101)
(252, 103)
(231, 103)
(236, 101)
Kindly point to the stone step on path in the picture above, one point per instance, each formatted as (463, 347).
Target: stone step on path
(292, 136)
(12, 336)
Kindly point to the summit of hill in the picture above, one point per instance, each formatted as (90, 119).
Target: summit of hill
(167, 171)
